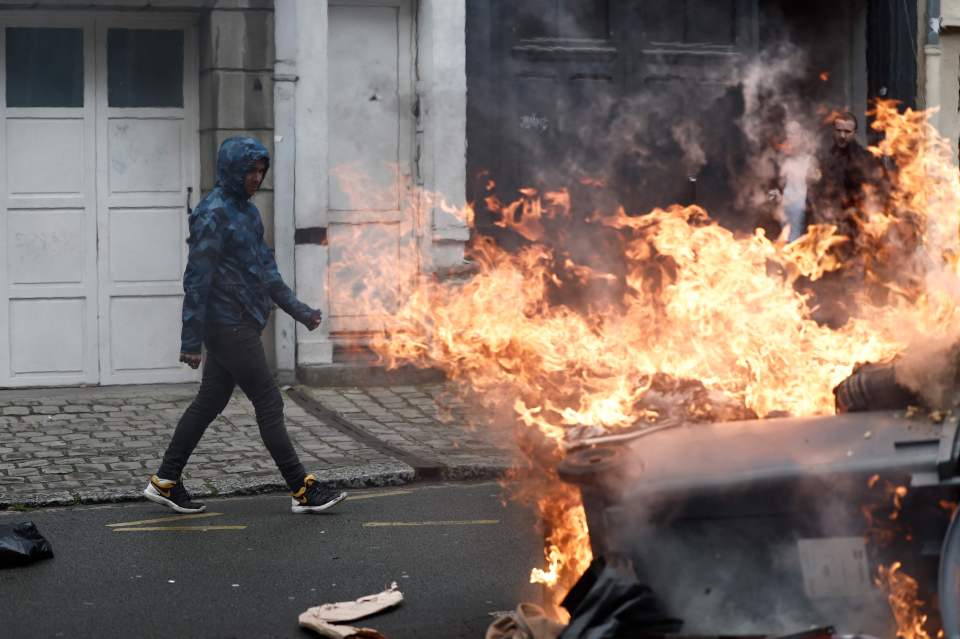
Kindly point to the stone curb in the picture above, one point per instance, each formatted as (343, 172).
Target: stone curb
(340, 375)
(473, 472)
(423, 468)
(371, 476)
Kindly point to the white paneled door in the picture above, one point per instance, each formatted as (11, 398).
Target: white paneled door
(373, 217)
(146, 162)
(99, 140)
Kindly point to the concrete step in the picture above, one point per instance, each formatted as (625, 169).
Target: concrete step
(359, 373)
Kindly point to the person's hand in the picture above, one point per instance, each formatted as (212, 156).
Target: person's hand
(314, 320)
(774, 195)
(190, 359)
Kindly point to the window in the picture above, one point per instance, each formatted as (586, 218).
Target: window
(690, 21)
(44, 67)
(711, 21)
(144, 68)
(534, 18)
(584, 19)
(565, 19)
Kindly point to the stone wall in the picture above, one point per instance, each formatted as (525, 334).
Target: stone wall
(236, 92)
(438, 29)
(941, 67)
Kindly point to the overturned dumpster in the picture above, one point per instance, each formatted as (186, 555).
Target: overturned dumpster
(777, 526)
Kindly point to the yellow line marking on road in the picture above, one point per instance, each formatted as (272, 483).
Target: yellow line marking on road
(178, 528)
(456, 522)
(359, 496)
(161, 520)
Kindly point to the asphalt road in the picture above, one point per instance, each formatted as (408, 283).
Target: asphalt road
(455, 551)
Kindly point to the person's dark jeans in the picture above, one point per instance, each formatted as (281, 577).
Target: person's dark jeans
(234, 357)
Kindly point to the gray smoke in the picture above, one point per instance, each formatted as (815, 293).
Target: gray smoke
(784, 136)
(734, 555)
(930, 367)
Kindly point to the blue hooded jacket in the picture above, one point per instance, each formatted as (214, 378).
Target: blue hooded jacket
(231, 275)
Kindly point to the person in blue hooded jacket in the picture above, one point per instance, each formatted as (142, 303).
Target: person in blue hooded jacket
(230, 286)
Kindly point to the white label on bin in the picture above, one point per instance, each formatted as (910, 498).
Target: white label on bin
(834, 567)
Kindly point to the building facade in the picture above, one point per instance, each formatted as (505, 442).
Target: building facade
(575, 90)
(940, 65)
(112, 112)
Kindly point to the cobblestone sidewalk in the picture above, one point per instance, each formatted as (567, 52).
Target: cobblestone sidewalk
(61, 446)
(92, 445)
(427, 425)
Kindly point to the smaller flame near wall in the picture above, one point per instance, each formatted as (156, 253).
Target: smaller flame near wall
(901, 590)
(567, 549)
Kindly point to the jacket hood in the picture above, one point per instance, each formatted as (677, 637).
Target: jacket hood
(237, 155)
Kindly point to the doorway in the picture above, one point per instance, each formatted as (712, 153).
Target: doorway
(100, 154)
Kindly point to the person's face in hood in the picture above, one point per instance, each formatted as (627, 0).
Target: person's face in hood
(237, 159)
(254, 177)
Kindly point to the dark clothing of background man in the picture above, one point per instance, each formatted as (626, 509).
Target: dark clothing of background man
(845, 180)
(230, 286)
(836, 191)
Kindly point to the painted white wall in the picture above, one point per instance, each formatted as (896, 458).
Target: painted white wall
(443, 80)
(111, 4)
(934, 80)
(88, 184)
(284, 180)
(441, 133)
(147, 158)
(311, 198)
(372, 227)
(942, 67)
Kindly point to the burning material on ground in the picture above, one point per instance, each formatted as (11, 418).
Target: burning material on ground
(873, 387)
(769, 526)
(927, 375)
(627, 320)
(528, 621)
(901, 592)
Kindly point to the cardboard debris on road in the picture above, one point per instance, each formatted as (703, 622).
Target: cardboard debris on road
(528, 621)
(337, 631)
(326, 619)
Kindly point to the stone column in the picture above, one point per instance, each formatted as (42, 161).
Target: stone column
(236, 92)
(443, 126)
(932, 52)
(284, 161)
(441, 136)
(311, 200)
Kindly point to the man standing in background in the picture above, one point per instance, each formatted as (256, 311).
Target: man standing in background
(836, 191)
(845, 180)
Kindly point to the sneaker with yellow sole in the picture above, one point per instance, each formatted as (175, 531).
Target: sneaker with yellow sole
(313, 498)
(171, 494)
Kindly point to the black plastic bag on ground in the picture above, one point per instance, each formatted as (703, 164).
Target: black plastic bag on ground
(609, 602)
(22, 544)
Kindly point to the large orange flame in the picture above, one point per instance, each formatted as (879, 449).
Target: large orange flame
(693, 301)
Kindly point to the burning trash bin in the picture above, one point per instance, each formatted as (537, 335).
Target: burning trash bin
(782, 525)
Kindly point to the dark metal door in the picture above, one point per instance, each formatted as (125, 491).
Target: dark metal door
(565, 92)
(638, 92)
